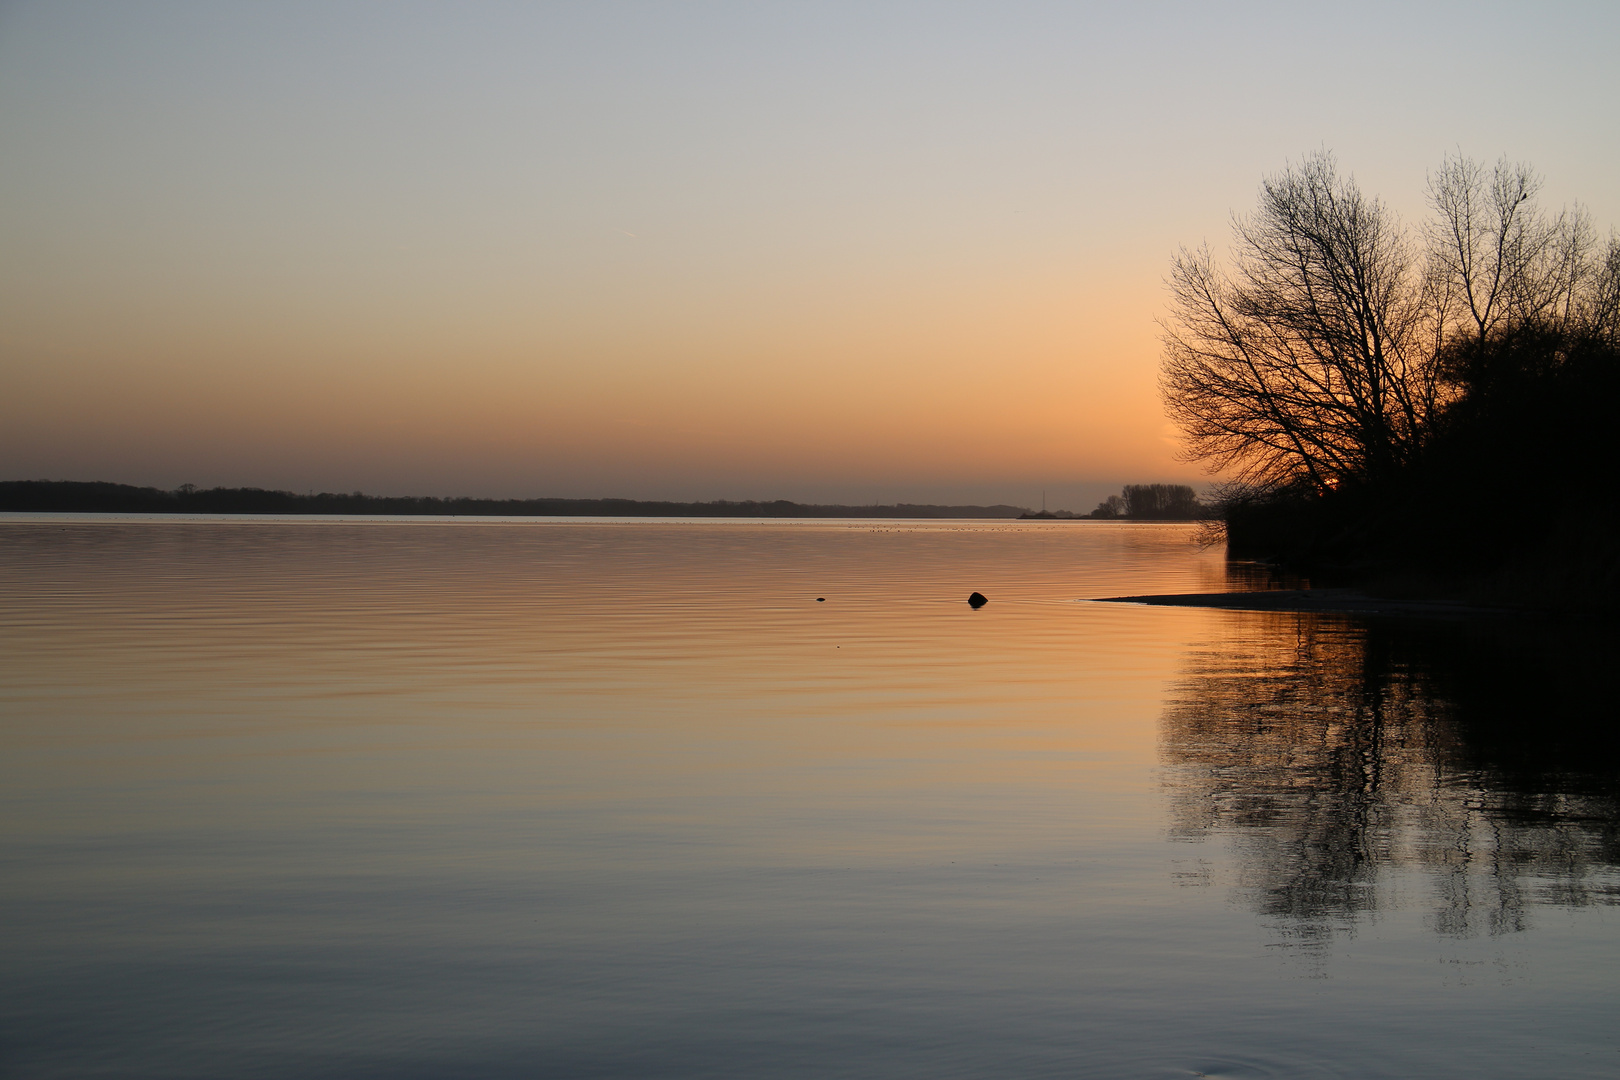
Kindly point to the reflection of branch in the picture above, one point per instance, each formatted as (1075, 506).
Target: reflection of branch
(1329, 753)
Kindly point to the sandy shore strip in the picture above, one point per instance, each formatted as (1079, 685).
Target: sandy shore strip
(1345, 601)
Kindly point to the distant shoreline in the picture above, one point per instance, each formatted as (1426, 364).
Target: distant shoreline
(62, 496)
(100, 497)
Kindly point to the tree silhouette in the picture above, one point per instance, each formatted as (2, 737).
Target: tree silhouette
(1378, 402)
(1308, 361)
(1500, 267)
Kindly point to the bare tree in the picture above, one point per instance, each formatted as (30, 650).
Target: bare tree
(1498, 264)
(1602, 305)
(1518, 295)
(1312, 360)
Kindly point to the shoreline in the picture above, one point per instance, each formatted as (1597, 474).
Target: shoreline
(1326, 601)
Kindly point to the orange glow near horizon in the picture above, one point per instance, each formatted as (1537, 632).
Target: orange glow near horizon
(824, 252)
(960, 383)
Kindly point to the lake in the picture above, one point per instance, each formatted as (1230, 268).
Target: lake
(587, 798)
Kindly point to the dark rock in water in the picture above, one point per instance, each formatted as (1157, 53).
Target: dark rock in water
(978, 600)
(821, 599)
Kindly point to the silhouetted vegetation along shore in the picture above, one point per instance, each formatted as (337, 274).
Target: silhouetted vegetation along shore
(1153, 502)
(64, 496)
(1429, 419)
(1138, 502)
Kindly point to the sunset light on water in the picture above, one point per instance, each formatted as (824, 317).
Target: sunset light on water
(808, 540)
(552, 798)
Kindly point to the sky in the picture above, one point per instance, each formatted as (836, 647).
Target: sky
(830, 252)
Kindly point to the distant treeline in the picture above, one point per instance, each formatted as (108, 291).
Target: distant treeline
(1139, 502)
(1152, 502)
(64, 496)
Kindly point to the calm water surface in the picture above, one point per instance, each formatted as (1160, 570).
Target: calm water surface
(585, 798)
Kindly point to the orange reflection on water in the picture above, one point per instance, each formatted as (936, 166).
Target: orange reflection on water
(679, 675)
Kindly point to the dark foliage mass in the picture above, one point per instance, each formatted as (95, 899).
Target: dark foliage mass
(1434, 405)
(62, 496)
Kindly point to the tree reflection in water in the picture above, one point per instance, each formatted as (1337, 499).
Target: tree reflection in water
(1348, 761)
